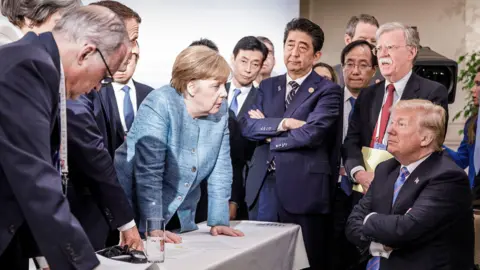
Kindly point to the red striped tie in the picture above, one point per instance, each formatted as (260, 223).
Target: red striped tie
(385, 116)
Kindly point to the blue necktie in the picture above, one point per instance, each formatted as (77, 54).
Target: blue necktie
(234, 103)
(346, 184)
(374, 263)
(128, 108)
(476, 153)
(292, 93)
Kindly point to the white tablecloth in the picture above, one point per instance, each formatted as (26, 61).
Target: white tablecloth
(265, 246)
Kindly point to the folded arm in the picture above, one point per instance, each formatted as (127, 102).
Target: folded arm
(319, 122)
(354, 225)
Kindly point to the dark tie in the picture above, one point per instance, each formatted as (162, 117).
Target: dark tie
(292, 93)
(374, 263)
(385, 115)
(128, 108)
(234, 104)
(346, 184)
(352, 103)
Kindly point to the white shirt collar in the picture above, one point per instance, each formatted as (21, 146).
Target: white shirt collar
(243, 90)
(118, 86)
(412, 166)
(400, 84)
(347, 95)
(299, 80)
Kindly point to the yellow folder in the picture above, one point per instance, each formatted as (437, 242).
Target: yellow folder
(372, 157)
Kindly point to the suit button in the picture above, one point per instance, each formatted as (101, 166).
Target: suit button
(11, 229)
(187, 185)
(179, 198)
(193, 150)
(194, 169)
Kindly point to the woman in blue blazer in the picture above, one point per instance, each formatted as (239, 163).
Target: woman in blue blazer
(179, 138)
(464, 154)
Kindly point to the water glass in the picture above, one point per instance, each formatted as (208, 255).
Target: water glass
(155, 244)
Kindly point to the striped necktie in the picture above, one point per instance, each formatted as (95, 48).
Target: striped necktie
(292, 93)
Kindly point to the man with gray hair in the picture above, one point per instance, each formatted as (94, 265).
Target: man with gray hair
(360, 27)
(397, 47)
(417, 212)
(37, 75)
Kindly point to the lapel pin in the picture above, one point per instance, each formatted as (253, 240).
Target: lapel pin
(279, 88)
(310, 90)
(416, 181)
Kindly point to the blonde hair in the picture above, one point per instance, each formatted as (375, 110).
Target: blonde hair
(198, 63)
(429, 116)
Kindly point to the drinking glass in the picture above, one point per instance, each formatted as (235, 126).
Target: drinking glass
(155, 244)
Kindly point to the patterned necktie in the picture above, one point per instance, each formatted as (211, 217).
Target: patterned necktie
(234, 103)
(385, 115)
(476, 153)
(292, 93)
(128, 108)
(374, 263)
(352, 103)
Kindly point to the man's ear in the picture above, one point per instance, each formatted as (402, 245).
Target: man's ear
(85, 53)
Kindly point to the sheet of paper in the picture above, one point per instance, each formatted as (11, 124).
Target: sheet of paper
(372, 157)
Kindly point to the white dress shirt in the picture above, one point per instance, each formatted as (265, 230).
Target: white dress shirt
(377, 249)
(244, 91)
(397, 94)
(120, 95)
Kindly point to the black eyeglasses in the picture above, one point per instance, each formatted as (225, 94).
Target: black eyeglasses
(106, 80)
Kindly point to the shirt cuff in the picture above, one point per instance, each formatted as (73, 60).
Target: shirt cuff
(365, 220)
(377, 249)
(42, 262)
(236, 204)
(280, 126)
(127, 226)
(354, 170)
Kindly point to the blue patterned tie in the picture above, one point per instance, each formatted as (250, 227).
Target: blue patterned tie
(346, 184)
(476, 153)
(352, 103)
(374, 263)
(292, 93)
(128, 108)
(234, 103)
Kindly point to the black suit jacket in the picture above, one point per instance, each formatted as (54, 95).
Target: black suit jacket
(116, 133)
(430, 226)
(94, 180)
(30, 186)
(367, 109)
(241, 149)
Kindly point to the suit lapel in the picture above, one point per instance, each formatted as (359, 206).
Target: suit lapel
(410, 91)
(279, 95)
(377, 104)
(49, 43)
(248, 101)
(140, 93)
(302, 94)
(115, 115)
(388, 187)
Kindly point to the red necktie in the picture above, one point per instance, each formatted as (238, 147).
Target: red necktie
(385, 116)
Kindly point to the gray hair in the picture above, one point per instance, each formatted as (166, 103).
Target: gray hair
(38, 11)
(412, 38)
(429, 116)
(95, 25)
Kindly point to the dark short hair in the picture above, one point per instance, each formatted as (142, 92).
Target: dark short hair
(354, 20)
(124, 12)
(205, 42)
(308, 27)
(330, 69)
(250, 43)
(358, 43)
(36, 10)
(267, 40)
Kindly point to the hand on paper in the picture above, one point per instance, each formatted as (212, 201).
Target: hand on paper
(233, 210)
(256, 114)
(364, 178)
(131, 238)
(169, 236)
(291, 123)
(224, 230)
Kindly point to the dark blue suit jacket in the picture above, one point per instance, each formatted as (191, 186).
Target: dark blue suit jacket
(30, 186)
(307, 158)
(96, 197)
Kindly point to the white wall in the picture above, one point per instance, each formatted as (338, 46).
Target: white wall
(168, 26)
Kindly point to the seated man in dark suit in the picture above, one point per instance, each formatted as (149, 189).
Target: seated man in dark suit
(396, 51)
(417, 212)
(35, 73)
(95, 130)
(247, 60)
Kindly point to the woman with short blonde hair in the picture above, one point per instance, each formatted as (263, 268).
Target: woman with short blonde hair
(178, 139)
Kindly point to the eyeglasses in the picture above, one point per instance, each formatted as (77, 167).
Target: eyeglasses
(106, 80)
(361, 67)
(389, 48)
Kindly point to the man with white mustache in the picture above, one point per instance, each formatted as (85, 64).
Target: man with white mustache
(396, 50)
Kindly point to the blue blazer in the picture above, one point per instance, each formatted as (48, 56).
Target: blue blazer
(464, 154)
(168, 153)
(30, 185)
(307, 158)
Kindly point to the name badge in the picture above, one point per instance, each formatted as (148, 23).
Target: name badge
(380, 146)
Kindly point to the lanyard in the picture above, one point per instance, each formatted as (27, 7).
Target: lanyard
(63, 131)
